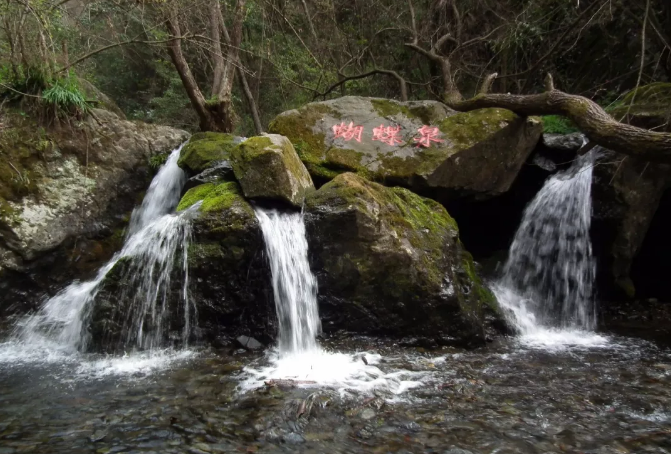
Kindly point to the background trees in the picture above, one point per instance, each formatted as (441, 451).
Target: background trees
(234, 64)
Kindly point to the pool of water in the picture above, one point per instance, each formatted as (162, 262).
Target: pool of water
(511, 397)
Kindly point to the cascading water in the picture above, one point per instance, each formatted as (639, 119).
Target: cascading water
(294, 285)
(154, 238)
(546, 283)
(298, 355)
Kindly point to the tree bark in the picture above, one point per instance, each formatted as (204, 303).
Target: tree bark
(587, 115)
(251, 101)
(207, 121)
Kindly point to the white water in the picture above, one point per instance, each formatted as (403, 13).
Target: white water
(298, 355)
(546, 283)
(58, 329)
(294, 285)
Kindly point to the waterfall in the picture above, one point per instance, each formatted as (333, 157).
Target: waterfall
(294, 285)
(546, 283)
(153, 239)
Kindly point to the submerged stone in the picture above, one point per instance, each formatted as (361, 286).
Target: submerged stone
(390, 262)
(473, 153)
(268, 167)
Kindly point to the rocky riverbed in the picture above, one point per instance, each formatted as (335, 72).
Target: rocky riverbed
(611, 396)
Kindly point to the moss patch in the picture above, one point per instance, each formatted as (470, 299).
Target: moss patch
(297, 126)
(387, 108)
(484, 296)
(215, 196)
(467, 128)
(204, 149)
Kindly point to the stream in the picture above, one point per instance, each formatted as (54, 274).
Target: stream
(506, 398)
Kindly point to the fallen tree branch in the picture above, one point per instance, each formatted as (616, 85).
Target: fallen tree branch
(588, 116)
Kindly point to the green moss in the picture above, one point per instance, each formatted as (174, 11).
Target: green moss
(467, 128)
(650, 100)
(387, 108)
(297, 126)
(204, 149)
(484, 296)
(250, 149)
(21, 147)
(215, 196)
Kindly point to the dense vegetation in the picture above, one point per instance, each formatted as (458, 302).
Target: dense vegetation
(234, 64)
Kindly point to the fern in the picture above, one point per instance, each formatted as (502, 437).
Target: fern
(65, 95)
(557, 124)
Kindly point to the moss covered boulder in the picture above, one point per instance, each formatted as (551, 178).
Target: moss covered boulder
(206, 150)
(229, 275)
(390, 262)
(268, 167)
(474, 153)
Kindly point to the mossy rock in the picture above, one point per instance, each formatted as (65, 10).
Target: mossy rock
(477, 152)
(206, 148)
(268, 167)
(231, 278)
(647, 106)
(390, 262)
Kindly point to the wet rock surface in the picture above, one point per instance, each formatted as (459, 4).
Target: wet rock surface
(389, 261)
(506, 398)
(65, 215)
(626, 194)
(230, 277)
(477, 153)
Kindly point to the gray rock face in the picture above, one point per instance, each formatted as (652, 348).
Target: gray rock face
(268, 167)
(77, 186)
(390, 262)
(626, 194)
(423, 145)
(569, 143)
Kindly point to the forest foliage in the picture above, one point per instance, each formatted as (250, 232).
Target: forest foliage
(215, 64)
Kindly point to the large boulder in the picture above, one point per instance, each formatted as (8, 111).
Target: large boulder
(268, 167)
(65, 195)
(626, 193)
(229, 278)
(230, 275)
(390, 262)
(474, 153)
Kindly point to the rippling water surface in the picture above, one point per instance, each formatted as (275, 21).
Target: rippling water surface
(512, 397)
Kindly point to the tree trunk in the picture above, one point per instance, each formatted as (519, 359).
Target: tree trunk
(592, 120)
(209, 119)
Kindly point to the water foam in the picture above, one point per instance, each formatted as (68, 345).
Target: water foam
(298, 356)
(59, 327)
(546, 284)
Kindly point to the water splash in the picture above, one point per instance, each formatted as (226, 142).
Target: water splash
(298, 356)
(153, 239)
(294, 285)
(546, 283)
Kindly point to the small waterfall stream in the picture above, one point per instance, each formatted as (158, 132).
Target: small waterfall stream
(294, 285)
(546, 283)
(154, 237)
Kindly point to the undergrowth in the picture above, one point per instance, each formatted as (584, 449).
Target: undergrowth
(557, 124)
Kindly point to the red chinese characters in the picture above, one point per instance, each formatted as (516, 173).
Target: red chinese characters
(348, 132)
(391, 135)
(428, 135)
(387, 134)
